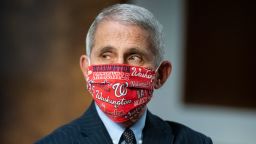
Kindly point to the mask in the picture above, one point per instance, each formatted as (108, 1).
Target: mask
(121, 91)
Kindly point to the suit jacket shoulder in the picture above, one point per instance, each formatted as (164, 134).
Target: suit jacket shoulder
(86, 129)
(184, 134)
(175, 133)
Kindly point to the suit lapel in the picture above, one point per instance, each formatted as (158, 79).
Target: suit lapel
(157, 131)
(92, 128)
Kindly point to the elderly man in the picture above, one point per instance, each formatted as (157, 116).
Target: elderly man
(122, 67)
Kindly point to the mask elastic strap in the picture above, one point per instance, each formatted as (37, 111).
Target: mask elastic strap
(159, 66)
(88, 59)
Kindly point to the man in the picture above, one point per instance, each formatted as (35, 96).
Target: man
(122, 67)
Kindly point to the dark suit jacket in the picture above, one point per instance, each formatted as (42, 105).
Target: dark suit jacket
(89, 129)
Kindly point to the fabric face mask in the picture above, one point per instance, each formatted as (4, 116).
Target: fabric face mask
(121, 91)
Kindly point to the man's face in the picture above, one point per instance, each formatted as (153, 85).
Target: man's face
(117, 43)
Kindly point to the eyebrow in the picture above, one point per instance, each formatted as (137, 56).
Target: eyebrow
(136, 50)
(106, 49)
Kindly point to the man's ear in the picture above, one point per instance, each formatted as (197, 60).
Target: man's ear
(84, 63)
(163, 73)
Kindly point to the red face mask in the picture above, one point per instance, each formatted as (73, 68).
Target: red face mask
(121, 91)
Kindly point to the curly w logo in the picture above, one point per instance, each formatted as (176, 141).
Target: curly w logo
(120, 89)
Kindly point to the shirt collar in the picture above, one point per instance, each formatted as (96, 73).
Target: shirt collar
(115, 130)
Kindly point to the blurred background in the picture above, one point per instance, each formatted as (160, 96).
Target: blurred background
(210, 44)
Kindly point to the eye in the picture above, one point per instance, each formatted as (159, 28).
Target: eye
(106, 55)
(135, 59)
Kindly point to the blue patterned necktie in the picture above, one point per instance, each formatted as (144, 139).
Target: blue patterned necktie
(128, 137)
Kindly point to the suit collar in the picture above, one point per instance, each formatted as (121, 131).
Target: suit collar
(92, 128)
(157, 131)
(94, 131)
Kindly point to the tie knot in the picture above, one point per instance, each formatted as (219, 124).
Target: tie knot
(128, 137)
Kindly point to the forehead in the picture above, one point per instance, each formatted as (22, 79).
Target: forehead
(119, 34)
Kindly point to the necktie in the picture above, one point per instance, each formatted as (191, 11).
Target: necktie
(128, 137)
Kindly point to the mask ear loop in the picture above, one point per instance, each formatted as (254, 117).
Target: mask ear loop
(159, 66)
(156, 72)
(89, 61)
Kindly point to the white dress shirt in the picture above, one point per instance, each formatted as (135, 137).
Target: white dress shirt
(116, 130)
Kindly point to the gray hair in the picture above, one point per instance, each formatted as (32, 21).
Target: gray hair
(134, 15)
